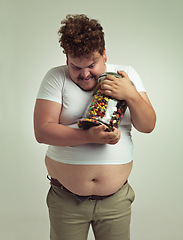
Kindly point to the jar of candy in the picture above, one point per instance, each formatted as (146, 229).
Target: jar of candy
(103, 109)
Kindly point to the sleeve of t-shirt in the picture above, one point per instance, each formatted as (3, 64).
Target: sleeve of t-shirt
(51, 86)
(136, 79)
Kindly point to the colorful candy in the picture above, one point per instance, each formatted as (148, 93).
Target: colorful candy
(103, 109)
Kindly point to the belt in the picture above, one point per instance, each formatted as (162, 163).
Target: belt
(56, 183)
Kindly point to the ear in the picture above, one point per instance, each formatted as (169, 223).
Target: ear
(105, 55)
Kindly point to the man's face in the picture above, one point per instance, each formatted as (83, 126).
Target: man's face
(85, 71)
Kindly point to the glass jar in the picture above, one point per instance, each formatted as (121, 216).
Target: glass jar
(103, 109)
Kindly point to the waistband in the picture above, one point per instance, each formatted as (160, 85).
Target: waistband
(56, 183)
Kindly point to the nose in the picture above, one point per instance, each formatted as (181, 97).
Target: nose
(85, 73)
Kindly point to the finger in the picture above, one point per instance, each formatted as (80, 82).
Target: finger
(114, 129)
(107, 82)
(112, 136)
(99, 128)
(110, 77)
(111, 86)
(114, 83)
(116, 132)
(122, 73)
(113, 142)
(107, 92)
(106, 87)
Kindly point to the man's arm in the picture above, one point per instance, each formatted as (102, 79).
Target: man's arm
(142, 113)
(49, 131)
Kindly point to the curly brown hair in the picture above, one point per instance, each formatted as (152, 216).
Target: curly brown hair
(80, 36)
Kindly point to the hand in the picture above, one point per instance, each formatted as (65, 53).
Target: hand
(118, 88)
(99, 135)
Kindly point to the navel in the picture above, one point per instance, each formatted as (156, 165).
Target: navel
(94, 180)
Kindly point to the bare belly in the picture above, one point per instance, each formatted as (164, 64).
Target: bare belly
(89, 179)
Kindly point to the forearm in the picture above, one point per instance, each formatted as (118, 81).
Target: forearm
(142, 113)
(60, 135)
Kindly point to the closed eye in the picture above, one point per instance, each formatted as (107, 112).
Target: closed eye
(92, 65)
(76, 68)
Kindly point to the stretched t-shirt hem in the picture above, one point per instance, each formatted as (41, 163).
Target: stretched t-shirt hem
(94, 162)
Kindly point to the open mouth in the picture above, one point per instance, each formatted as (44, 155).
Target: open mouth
(87, 79)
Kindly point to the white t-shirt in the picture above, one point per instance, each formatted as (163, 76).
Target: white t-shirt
(57, 86)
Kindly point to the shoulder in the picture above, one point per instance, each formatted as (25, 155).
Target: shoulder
(59, 71)
(53, 83)
(117, 67)
(132, 74)
(56, 76)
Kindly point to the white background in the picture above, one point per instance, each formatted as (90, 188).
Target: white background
(144, 34)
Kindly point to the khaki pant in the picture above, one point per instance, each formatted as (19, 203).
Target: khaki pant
(70, 218)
